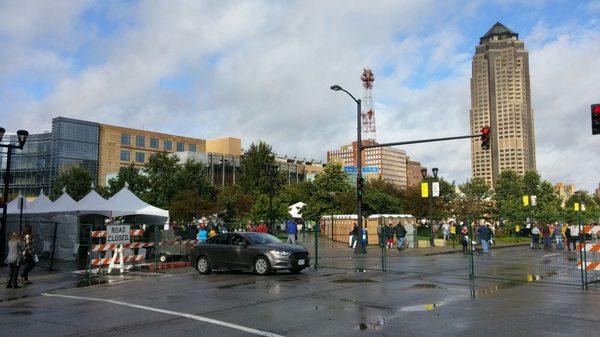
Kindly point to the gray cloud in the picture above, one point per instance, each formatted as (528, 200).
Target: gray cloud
(262, 70)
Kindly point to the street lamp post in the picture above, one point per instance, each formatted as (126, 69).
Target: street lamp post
(429, 181)
(359, 247)
(332, 195)
(273, 171)
(22, 138)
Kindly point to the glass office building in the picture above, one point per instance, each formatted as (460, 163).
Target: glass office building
(31, 167)
(74, 143)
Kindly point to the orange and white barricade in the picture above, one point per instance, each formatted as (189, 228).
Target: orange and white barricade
(117, 260)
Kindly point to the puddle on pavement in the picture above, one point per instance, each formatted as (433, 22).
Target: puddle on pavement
(89, 283)
(354, 281)
(230, 286)
(13, 298)
(424, 286)
(491, 290)
(20, 313)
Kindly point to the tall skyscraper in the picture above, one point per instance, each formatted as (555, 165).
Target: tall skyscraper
(501, 99)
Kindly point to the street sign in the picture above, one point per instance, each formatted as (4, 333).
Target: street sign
(21, 204)
(366, 169)
(118, 234)
(424, 190)
(435, 189)
(370, 169)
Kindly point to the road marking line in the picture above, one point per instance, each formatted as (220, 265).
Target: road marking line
(169, 312)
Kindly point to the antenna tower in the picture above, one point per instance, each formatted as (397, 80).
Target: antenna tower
(368, 113)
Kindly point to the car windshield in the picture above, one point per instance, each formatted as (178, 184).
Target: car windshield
(261, 238)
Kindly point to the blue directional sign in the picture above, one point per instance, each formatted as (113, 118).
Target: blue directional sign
(366, 169)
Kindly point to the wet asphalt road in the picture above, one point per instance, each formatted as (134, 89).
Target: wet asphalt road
(326, 302)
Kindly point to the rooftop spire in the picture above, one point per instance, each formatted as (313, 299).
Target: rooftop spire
(500, 31)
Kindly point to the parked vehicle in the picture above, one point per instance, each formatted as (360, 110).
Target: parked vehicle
(260, 253)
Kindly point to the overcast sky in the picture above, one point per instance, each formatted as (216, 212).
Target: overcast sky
(262, 70)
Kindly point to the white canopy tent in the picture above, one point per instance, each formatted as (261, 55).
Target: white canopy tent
(126, 203)
(13, 206)
(64, 214)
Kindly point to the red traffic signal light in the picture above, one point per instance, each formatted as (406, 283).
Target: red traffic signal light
(595, 119)
(485, 138)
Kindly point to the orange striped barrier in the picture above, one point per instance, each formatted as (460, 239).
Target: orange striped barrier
(589, 265)
(589, 229)
(106, 260)
(590, 248)
(133, 232)
(112, 246)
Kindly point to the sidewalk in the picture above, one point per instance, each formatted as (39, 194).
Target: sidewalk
(333, 249)
(42, 279)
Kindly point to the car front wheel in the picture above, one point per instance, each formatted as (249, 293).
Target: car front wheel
(203, 265)
(261, 266)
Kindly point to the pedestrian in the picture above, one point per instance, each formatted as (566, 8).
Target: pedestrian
(389, 235)
(213, 232)
(535, 237)
(354, 235)
(485, 235)
(14, 260)
(464, 238)
(400, 232)
(574, 236)
(249, 226)
(202, 233)
(546, 236)
(558, 236)
(262, 227)
(29, 259)
(567, 234)
(446, 231)
(291, 230)
(365, 237)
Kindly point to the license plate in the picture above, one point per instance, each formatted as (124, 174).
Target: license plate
(301, 262)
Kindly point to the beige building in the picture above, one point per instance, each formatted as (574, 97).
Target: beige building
(501, 99)
(390, 163)
(119, 147)
(564, 191)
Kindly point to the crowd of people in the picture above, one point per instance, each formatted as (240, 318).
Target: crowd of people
(21, 253)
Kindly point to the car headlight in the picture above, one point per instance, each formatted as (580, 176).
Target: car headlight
(280, 252)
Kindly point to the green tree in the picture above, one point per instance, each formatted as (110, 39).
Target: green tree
(475, 198)
(328, 186)
(234, 202)
(377, 201)
(508, 196)
(77, 181)
(192, 176)
(260, 210)
(187, 204)
(162, 172)
(256, 175)
(589, 215)
(133, 176)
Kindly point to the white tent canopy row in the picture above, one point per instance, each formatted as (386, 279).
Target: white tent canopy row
(123, 203)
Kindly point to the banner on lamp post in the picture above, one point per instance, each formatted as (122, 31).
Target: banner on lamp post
(435, 189)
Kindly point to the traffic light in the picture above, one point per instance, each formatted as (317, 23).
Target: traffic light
(485, 138)
(595, 119)
(360, 184)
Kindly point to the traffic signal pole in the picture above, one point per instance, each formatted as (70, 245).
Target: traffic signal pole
(429, 140)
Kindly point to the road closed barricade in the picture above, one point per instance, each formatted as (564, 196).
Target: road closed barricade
(116, 250)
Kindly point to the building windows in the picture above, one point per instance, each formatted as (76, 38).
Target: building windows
(168, 145)
(180, 146)
(125, 139)
(140, 157)
(192, 147)
(140, 141)
(125, 156)
(154, 143)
